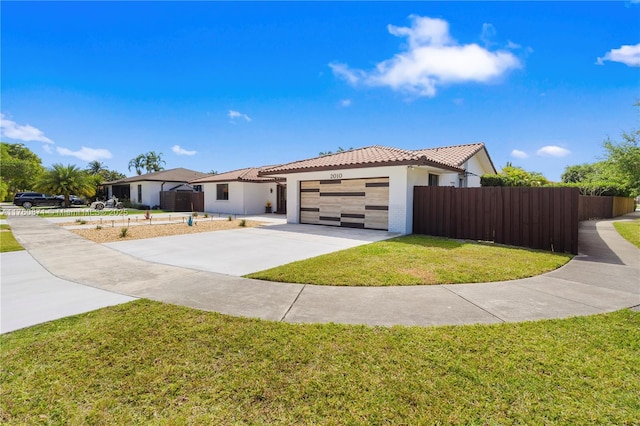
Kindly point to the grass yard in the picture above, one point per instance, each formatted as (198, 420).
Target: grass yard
(417, 260)
(147, 362)
(7, 240)
(630, 231)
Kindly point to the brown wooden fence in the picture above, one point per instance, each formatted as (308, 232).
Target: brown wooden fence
(603, 207)
(540, 218)
(182, 201)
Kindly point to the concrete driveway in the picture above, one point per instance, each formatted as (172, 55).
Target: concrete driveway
(243, 251)
(32, 295)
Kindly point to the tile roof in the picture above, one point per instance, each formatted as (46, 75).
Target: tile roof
(453, 155)
(451, 158)
(249, 174)
(172, 175)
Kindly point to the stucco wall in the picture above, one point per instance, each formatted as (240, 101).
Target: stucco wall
(150, 191)
(474, 166)
(244, 197)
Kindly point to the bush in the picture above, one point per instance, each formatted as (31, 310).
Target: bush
(123, 232)
(493, 180)
(243, 223)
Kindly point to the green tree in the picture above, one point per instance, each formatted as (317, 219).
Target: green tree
(101, 174)
(514, 176)
(138, 164)
(578, 173)
(153, 162)
(95, 167)
(66, 180)
(20, 168)
(4, 190)
(624, 158)
(340, 149)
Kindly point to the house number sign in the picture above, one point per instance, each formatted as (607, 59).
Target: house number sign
(335, 176)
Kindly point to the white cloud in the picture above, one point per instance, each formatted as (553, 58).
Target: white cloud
(516, 153)
(181, 151)
(47, 148)
(236, 114)
(86, 154)
(432, 59)
(488, 33)
(513, 46)
(27, 133)
(553, 151)
(627, 54)
(345, 103)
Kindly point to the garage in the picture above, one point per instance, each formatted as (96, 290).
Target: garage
(352, 203)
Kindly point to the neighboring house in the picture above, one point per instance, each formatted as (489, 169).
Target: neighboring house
(372, 187)
(145, 189)
(242, 192)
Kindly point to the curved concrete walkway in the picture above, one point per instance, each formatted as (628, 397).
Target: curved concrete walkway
(604, 277)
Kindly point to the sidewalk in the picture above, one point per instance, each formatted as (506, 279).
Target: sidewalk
(604, 277)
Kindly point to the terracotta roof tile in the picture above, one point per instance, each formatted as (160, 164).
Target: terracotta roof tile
(453, 155)
(446, 157)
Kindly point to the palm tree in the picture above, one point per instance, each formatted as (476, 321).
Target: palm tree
(138, 163)
(154, 162)
(66, 180)
(95, 167)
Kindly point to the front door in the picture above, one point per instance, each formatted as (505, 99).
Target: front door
(281, 203)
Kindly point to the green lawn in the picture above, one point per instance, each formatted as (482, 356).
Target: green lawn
(146, 362)
(417, 260)
(7, 240)
(630, 231)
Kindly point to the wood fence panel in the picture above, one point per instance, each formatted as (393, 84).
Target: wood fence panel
(622, 205)
(594, 207)
(544, 218)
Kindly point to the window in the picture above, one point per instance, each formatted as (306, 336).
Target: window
(197, 188)
(433, 180)
(222, 191)
(139, 193)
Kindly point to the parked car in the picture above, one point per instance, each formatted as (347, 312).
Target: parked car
(74, 200)
(31, 199)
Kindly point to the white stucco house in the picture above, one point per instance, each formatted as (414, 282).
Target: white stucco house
(372, 187)
(242, 192)
(145, 189)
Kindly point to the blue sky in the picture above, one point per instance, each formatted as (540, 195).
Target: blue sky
(220, 86)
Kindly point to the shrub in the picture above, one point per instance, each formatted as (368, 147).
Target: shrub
(123, 232)
(493, 180)
(194, 214)
(243, 223)
(206, 215)
(230, 218)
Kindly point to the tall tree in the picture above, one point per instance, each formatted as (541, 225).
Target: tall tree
(153, 162)
(20, 167)
(66, 180)
(95, 167)
(624, 157)
(138, 164)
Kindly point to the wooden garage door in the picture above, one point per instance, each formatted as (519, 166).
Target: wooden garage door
(354, 203)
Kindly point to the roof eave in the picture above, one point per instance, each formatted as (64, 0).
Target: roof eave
(422, 161)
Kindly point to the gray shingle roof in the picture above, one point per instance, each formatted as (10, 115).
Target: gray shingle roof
(172, 175)
(249, 174)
